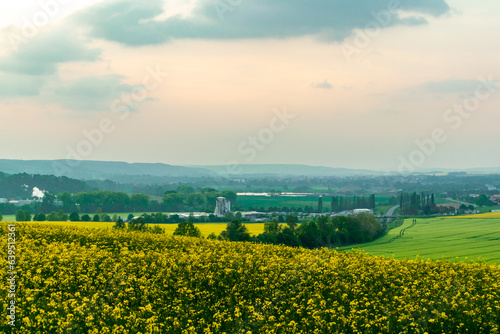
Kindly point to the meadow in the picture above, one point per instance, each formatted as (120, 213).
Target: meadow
(475, 237)
(82, 280)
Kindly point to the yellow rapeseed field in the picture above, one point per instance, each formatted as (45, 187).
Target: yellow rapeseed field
(77, 280)
(205, 228)
(479, 216)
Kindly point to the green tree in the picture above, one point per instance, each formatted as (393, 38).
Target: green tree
(157, 230)
(230, 195)
(196, 201)
(48, 202)
(288, 237)
(40, 217)
(1, 217)
(52, 217)
(160, 218)
(66, 199)
(186, 190)
(20, 216)
(291, 221)
(74, 216)
(137, 224)
(86, 218)
(173, 202)
(187, 229)
(483, 200)
(309, 234)
(139, 202)
(272, 227)
(130, 217)
(229, 216)
(61, 216)
(105, 218)
(119, 224)
(96, 218)
(235, 231)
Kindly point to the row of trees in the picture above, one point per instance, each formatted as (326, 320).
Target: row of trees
(341, 203)
(137, 224)
(116, 201)
(414, 204)
(321, 232)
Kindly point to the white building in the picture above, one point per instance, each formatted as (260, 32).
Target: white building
(358, 211)
(222, 206)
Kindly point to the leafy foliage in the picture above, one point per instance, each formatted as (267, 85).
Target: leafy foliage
(187, 229)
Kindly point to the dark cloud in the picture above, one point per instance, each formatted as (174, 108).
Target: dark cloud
(129, 22)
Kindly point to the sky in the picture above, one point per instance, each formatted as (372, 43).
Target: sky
(369, 84)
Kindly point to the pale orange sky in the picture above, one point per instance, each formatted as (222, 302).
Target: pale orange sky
(366, 113)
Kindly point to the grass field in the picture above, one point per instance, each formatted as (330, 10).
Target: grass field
(280, 201)
(455, 238)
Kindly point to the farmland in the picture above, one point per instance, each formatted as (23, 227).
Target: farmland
(205, 228)
(455, 238)
(82, 280)
(278, 201)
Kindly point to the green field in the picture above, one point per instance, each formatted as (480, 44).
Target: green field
(455, 238)
(280, 201)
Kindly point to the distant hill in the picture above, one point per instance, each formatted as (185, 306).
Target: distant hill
(90, 170)
(287, 170)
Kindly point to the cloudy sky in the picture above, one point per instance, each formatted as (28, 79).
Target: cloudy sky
(374, 84)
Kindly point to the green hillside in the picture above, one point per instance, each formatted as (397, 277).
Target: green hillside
(457, 238)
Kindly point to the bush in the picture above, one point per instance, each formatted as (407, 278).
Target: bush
(74, 216)
(235, 231)
(187, 229)
(137, 224)
(105, 218)
(119, 224)
(23, 216)
(40, 217)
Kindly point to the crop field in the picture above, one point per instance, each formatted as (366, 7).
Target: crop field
(82, 280)
(279, 201)
(205, 228)
(217, 228)
(456, 238)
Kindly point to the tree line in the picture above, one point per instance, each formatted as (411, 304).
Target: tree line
(320, 232)
(182, 199)
(413, 204)
(21, 185)
(341, 203)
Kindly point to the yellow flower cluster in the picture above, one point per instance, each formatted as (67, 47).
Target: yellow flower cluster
(77, 280)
